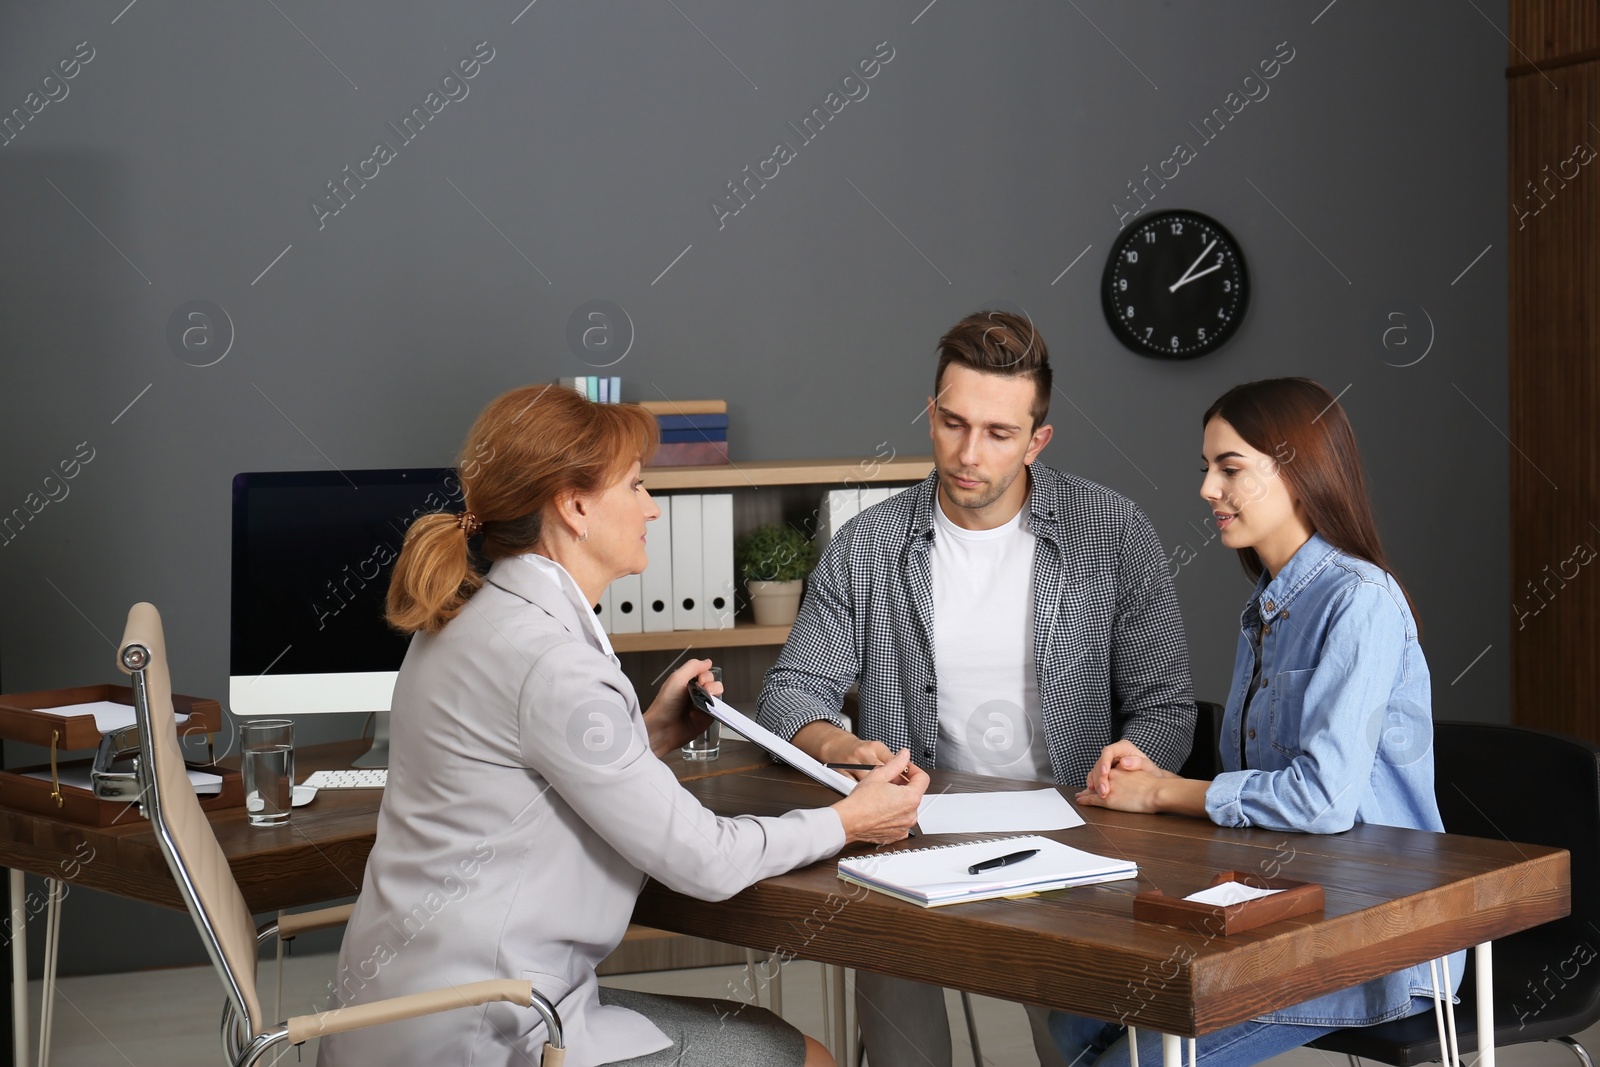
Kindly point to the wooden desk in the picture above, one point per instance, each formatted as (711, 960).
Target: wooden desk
(1394, 898)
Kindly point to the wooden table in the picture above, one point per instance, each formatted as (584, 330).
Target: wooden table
(1394, 898)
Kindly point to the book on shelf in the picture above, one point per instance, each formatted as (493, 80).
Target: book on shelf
(672, 437)
(685, 407)
(601, 389)
(690, 454)
(692, 422)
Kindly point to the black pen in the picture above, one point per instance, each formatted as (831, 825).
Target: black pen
(1001, 861)
(853, 766)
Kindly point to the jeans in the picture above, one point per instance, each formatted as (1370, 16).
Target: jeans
(1093, 1043)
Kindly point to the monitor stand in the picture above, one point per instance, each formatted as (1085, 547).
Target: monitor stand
(378, 754)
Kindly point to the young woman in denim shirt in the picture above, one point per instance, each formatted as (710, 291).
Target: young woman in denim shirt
(1328, 720)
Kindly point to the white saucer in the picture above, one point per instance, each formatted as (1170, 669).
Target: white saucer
(303, 795)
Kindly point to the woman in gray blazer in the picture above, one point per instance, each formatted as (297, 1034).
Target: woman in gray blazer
(527, 801)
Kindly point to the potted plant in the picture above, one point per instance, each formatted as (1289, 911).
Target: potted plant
(774, 560)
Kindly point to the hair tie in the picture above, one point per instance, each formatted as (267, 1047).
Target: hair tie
(468, 522)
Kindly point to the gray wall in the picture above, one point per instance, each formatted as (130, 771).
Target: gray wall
(996, 140)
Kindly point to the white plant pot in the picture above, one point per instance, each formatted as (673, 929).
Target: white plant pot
(775, 603)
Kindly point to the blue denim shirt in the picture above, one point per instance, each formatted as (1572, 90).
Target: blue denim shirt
(1336, 728)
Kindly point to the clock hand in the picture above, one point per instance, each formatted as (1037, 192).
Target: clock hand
(1189, 278)
(1174, 286)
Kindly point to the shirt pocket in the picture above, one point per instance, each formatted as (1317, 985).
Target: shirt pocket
(1288, 710)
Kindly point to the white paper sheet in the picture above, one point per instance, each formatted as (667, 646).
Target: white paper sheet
(1004, 812)
(1230, 893)
(108, 715)
(205, 783)
(750, 730)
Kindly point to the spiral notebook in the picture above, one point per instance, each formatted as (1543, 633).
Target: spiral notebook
(933, 877)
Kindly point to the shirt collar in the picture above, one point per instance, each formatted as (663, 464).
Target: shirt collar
(1273, 596)
(569, 588)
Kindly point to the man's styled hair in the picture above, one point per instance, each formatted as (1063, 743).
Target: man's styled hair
(1003, 343)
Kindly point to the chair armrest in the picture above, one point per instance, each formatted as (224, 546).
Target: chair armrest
(291, 924)
(512, 990)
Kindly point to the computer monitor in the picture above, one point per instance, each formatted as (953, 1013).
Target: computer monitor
(312, 556)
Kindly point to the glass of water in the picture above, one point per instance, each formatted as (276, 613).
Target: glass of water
(267, 751)
(707, 746)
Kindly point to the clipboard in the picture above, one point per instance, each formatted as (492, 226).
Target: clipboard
(750, 730)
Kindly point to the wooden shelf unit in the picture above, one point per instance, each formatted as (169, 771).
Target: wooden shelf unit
(765, 473)
(763, 491)
(743, 635)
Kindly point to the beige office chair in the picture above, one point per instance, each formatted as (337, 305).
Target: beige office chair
(208, 889)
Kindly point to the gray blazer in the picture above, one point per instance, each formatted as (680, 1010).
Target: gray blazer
(523, 813)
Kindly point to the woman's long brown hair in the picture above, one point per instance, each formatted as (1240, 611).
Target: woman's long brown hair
(1301, 425)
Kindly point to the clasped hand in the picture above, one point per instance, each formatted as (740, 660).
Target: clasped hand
(1124, 779)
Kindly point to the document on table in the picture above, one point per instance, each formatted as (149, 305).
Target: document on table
(205, 783)
(1225, 893)
(750, 730)
(108, 716)
(1002, 812)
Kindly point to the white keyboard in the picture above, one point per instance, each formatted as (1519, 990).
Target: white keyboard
(371, 778)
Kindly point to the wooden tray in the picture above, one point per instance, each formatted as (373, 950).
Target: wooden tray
(26, 716)
(79, 805)
(1297, 898)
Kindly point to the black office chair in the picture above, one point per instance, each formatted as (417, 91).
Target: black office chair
(1205, 757)
(1523, 785)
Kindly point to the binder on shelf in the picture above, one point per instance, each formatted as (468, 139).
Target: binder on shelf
(627, 608)
(720, 594)
(656, 582)
(839, 506)
(616, 389)
(874, 495)
(605, 389)
(688, 568)
(602, 610)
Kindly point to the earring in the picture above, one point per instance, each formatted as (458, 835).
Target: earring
(584, 538)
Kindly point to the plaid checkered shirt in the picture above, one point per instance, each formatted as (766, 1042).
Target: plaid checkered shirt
(1108, 640)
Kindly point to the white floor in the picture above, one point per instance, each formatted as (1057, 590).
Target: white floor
(169, 1018)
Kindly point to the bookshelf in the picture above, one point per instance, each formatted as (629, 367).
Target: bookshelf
(763, 491)
(802, 483)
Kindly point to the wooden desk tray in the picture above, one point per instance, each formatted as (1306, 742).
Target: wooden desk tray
(27, 717)
(79, 805)
(1297, 898)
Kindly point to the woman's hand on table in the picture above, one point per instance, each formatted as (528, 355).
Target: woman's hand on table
(1125, 756)
(1148, 791)
(672, 719)
(881, 809)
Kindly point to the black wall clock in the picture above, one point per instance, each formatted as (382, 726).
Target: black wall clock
(1175, 286)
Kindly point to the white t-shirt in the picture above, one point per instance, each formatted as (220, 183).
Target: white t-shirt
(989, 713)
